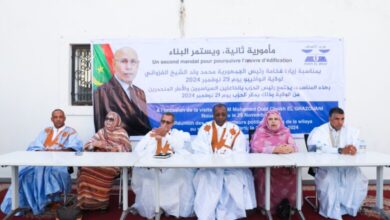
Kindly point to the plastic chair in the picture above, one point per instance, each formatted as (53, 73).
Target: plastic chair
(312, 173)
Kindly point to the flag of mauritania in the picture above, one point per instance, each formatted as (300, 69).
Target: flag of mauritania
(103, 68)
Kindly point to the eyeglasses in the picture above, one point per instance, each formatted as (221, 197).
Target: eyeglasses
(110, 119)
(166, 122)
(126, 61)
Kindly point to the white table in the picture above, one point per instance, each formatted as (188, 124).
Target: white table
(87, 159)
(367, 159)
(235, 160)
(125, 160)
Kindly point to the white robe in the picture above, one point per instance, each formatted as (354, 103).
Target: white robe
(341, 190)
(176, 189)
(222, 193)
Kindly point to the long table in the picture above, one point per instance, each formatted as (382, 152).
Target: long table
(86, 159)
(218, 161)
(366, 159)
(126, 160)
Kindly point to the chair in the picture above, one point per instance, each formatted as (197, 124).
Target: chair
(312, 173)
(250, 133)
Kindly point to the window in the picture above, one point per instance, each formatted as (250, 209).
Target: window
(81, 75)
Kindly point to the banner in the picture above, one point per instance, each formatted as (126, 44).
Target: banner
(301, 77)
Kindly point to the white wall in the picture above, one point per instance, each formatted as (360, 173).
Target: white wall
(35, 39)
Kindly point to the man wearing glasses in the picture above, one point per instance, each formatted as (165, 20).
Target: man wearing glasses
(222, 193)
(120, 95)
(176, 190)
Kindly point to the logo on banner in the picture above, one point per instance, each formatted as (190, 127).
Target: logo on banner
(315, 56)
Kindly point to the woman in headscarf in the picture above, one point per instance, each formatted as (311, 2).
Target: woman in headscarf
(94, 183)
(272, 137)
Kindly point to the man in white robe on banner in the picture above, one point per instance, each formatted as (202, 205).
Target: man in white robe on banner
(176, 189)
(341, 190)
(222, 193)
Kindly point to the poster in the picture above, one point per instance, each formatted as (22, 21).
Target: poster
(301, 77)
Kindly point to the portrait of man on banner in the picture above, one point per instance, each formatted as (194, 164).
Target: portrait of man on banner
(113, 89)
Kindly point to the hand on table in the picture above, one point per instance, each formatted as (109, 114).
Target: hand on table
(283, 149)
(349, 149)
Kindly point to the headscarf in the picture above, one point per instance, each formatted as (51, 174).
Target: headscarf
(265, 140)
(115, 136)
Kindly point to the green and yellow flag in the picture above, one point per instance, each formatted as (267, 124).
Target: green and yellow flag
(103, 68)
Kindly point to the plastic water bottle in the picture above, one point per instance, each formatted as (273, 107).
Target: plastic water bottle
(362, 146)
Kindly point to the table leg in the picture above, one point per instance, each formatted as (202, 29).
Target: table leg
(15, 187)
(379, 187)
(268, 192)
(15, 193)
(299, 193)
(157, 202)
(379, 192)
(125, 194)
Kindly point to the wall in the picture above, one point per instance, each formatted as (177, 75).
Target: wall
(35, 39)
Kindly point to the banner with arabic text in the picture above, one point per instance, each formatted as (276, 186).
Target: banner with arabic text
(301, 77)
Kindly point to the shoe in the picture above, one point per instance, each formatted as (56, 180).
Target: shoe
(133, 211)
(54, 206)
(283, 210)
(69, 213)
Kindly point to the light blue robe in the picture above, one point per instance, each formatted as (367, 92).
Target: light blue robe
(341, 190)
(222, 193)
(39, 186)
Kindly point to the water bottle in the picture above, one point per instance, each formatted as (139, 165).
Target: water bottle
(362, 146)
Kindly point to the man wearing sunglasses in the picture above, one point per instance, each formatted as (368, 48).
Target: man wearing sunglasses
(120, 95)
(222, 193)
(176, 190)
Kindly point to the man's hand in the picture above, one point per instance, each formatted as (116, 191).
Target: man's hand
(159, 133)
(224, 150)
(349, 149)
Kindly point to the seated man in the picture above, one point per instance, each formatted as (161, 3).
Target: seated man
(222, 193)
(176, 190)
(39, 186)
(341, 190)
